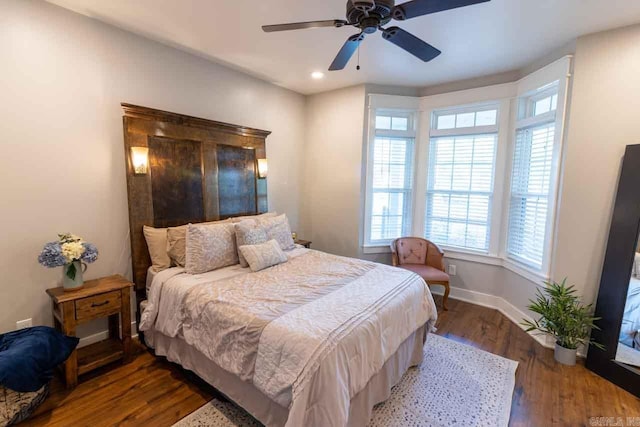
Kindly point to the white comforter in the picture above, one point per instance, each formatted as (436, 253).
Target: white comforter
(277, 327)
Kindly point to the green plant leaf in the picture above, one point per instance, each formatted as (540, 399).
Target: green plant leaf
(71, 271)
(562, 315)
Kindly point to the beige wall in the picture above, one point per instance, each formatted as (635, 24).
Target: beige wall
(603, 119)
(332, 170)
(62, 79)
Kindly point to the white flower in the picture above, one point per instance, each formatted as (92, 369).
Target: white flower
(72, 251)
(68, 238)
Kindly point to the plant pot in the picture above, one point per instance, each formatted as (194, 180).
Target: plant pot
(72, 275)
(566, 356)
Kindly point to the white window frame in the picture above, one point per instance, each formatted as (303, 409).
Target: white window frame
(531, 88)
(501, 96)
(466, 131)
(393, 106)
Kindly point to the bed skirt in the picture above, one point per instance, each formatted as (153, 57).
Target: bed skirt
(244, 394)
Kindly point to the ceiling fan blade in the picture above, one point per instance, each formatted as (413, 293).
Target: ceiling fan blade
(410, 43)
(415, 8)
(347, 51)
(303, 25)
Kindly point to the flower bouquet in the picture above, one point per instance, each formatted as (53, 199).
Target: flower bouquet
(72, 254)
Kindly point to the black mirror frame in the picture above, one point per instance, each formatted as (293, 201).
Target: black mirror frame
(616, 275)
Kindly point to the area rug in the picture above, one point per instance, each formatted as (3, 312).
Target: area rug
(456, 384)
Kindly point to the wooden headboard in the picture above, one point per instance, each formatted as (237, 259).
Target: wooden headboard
(199, 170)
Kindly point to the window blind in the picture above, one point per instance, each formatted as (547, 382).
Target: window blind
(392, 163)
(530, 194)
(460, 190)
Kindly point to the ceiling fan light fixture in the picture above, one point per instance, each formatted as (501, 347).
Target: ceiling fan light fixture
(317, 75)
(370, 16)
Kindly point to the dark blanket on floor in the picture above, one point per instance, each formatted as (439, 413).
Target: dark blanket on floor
(28, 357)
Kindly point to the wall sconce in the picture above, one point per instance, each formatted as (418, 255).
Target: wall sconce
(263, 168)
(140, 160)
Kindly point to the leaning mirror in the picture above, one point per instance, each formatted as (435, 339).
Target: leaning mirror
(618, 303)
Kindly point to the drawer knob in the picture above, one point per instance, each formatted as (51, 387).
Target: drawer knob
(100, 305)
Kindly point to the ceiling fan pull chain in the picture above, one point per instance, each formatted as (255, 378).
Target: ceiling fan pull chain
(358, 66)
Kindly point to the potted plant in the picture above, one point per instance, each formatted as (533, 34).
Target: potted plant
(565, 318)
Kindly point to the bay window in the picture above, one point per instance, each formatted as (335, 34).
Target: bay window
(474, 171)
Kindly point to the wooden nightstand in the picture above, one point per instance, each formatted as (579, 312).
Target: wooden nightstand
(305, 243)
(105, 297)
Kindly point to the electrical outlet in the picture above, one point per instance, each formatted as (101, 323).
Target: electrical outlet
(452, 270)
(21, 324)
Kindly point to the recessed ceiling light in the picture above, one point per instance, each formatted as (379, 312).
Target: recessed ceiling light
(317, 75)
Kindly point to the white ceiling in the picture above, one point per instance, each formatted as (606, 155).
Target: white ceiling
(478, 40)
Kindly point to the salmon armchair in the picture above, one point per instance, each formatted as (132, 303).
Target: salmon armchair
(423, 258)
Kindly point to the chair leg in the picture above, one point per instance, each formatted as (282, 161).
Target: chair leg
(445, 298)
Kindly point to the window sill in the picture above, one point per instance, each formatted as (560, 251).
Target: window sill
(473, 257)
(448, 253)
(533, 276)
(376, 249)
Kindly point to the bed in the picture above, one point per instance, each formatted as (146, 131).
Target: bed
(316, 340)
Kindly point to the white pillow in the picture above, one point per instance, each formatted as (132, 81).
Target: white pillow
(249, 232)
(209, 247)
(263, 255)
(278, 228)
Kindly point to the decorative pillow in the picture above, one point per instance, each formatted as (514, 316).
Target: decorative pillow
(209, 247)
(248, 232)
(263, 255)
(278, 228)
(177, 244)
(157, 243)
(28, 357)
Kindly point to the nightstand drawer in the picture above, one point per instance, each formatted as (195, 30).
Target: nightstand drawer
(98, 306)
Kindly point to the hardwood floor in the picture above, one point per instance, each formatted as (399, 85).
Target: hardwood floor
(151, 391)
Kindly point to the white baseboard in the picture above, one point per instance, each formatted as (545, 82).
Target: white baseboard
(510, 311)
(103, 335)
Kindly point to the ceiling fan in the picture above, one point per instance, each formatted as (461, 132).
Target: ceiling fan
(370, 15)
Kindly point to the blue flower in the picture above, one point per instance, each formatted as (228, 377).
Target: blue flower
(51, 255)
(90, 253)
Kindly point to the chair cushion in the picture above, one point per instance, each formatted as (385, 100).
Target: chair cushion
(429, 274)
(411, 250)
